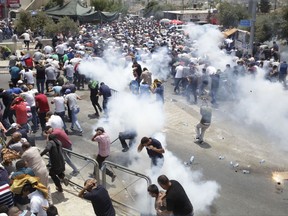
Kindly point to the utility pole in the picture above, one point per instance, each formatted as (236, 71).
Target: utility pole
(252, 28)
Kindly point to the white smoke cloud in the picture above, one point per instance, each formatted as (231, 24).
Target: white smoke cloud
(148, 118)
(207, 39)
(158, 64)
(264, 103)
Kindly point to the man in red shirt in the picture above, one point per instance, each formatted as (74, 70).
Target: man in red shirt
(21, 112)
(43, 107)
(66, 143)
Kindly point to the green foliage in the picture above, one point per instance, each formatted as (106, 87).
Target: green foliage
(263, 30)
(284, 15)
(40, 20)
(153, 8)
(99, 5)
(265, 6)
(67, 26)
(24, 22)
(50, 29)
(231, 14)
(108, 5)
(267, 27)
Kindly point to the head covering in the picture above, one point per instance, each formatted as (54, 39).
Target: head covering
(19, 82)
(67, 91)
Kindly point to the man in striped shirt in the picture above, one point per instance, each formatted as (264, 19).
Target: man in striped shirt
(6, 196)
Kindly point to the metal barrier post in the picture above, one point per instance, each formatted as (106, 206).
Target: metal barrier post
(126, 170)
(93, 161)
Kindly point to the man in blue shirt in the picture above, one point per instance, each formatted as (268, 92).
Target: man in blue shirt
(99, 198)
(105, 91)
(154, 150)
(15, 74)
(283, 72)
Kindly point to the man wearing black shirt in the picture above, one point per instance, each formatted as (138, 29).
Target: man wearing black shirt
(154, 150)
(7, 98)
(177, 200)
(94, 97)
(99, 198)
(40, 76)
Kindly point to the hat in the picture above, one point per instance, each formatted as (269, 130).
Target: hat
(67, 91)
(100, 128)
(19, 82)
(13, 125)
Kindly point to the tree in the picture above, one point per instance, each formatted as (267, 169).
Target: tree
(153, 8)
(263, 28)
(109, 5)
(99, 5)
(265, 6)
(24, 22)
(65, 25)
(231, 14)
(268, 26)
(39, 20)
(284, 25)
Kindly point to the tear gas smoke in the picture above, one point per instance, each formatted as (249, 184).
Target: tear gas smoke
(158, 64)
(147, 117)
(263, 103)
(207, 39)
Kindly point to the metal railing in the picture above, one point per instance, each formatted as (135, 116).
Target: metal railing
(130, 172)
(96, 173)
(90, 160)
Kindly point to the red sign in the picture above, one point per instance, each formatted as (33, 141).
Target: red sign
(13, 2)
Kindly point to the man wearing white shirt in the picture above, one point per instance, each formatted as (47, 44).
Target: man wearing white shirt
(69, 69)
(37, 200)
(38, 56)
(60, 50)
(48, 50)
(59, 102)
(26, 37)
(50, 72)
(28, 76)
(54, 121)
(178, 77)
(29, 98)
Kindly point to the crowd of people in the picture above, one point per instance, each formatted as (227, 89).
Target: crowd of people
(51, 77)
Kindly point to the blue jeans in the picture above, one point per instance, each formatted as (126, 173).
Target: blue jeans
(74, 113)
(104, 104)
(67, 158)
(131, 135)
(34, 117)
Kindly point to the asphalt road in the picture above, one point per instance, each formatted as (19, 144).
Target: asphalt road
(252, 194)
